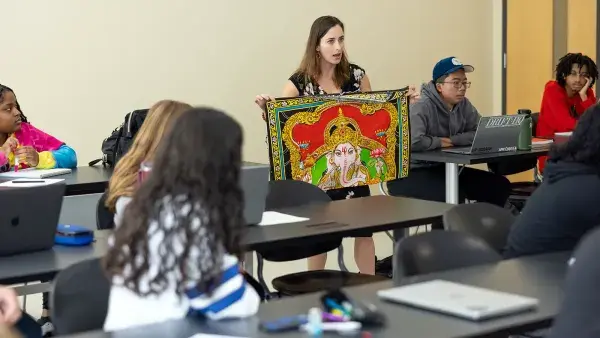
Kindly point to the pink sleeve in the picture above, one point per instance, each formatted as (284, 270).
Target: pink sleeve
(31, 136)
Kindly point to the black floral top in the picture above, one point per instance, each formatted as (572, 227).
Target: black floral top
(352, 85)
(311, 88)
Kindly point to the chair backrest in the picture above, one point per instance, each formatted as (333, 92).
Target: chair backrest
(288, 194)
(535, 117)
(438, 251)
(581, 302)
(80, 298)
(486, 221)
(104, 217)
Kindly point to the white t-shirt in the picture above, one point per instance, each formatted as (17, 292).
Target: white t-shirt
(233, 298)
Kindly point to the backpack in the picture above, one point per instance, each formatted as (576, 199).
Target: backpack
(120, 140)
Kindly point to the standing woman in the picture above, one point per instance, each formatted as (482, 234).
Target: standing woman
(325, 69)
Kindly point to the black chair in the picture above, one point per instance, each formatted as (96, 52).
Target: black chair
(438, 251)
(289, 193)
(486, 221)
(579, 308)
(80, 298)
(104, 217)
(520, 191)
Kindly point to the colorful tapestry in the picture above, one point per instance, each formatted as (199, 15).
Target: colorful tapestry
(338, 141)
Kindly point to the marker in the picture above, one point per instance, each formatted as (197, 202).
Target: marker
(28, 181)
(335, 306)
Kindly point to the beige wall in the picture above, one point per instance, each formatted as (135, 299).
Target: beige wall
(581, 30)
(79, 66)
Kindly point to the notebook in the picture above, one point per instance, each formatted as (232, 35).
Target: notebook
(35, 173)
(458, 299)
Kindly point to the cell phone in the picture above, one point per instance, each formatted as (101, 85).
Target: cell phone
(283, 324)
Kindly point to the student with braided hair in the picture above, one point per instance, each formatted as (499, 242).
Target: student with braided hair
(32, 148)
(567, 97)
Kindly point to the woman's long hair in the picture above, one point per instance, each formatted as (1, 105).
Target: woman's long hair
(124, 179)
(192, 201)
(310, 66)
(4, 89)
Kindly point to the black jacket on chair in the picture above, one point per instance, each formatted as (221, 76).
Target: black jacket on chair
(559, 212)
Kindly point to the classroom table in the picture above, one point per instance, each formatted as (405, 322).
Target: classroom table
(333, 219)
(452, 162)
(537, 276)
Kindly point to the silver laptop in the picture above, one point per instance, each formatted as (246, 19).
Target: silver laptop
(458, 299)
(29, 218)
(255, 185)
(494, 134)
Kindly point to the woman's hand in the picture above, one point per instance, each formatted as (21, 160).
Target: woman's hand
(10, 312)
(28, 155)
(9, 146)
(261, 101)
(413, 94)
(583, 91)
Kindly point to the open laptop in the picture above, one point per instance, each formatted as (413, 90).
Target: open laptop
(29, 218)
(494, 134)
(458, 299)
(255, 185)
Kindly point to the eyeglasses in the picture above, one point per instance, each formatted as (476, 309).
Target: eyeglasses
(458, 84)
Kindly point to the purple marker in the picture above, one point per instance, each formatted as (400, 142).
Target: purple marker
(332, 318)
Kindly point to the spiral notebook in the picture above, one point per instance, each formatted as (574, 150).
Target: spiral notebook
(35, 173)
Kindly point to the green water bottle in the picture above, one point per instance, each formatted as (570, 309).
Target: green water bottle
(525, 135)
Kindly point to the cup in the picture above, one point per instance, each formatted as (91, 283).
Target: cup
(562, 137)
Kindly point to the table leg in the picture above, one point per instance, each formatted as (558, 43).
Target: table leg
(452, 183)
(249, 263)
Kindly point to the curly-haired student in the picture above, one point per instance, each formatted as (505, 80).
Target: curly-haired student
(567, 97)
(176, 252)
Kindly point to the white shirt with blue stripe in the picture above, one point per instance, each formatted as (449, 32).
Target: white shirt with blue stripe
(232, 298)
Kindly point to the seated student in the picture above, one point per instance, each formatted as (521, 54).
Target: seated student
(176, 252)
(13, 319)
(124, 179)
(444, 117)
(564, 207)
(567, 97)
(33, 149)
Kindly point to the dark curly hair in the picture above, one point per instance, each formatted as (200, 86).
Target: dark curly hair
(565, 65)
(584, 145)
(4, 89)
(191, 204)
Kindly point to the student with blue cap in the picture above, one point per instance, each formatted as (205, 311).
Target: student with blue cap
(444, 117)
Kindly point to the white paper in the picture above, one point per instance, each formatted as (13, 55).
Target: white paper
(35, 173)
(208, 335)
(30, 182)
(274, 217)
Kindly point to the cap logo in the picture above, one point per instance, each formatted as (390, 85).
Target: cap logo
(456, 62)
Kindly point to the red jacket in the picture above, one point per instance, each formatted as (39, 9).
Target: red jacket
(555, 113)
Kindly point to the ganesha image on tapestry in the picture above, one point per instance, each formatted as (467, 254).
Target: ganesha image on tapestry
(361, 140)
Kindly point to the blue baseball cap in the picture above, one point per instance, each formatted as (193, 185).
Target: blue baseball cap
(448, 66)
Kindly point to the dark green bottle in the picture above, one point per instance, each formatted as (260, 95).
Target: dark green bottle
(525, 135)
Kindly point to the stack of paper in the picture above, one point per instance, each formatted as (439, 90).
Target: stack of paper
(27, 182)
(35, 173)
(540, 143)
(274, 217)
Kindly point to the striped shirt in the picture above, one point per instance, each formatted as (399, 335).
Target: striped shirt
(232, 298)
